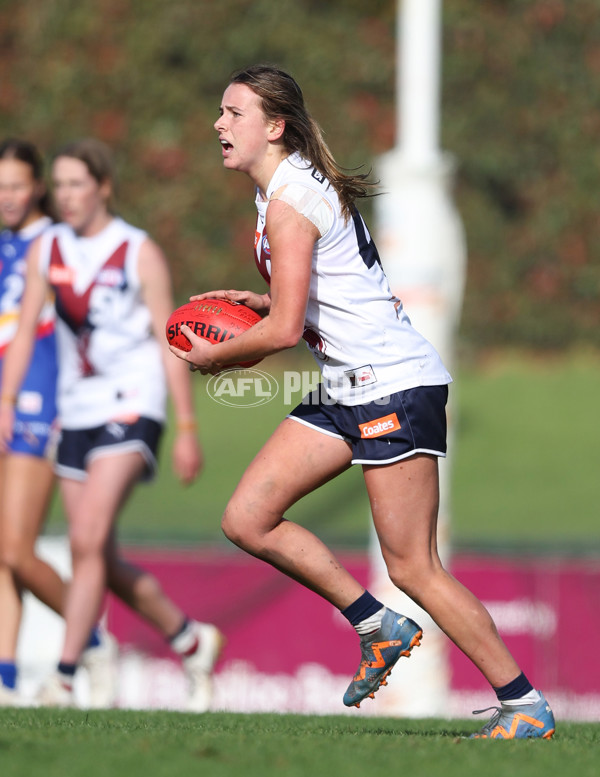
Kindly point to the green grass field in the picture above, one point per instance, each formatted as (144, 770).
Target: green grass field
(523, 458)
(524, 461)
(56, 743)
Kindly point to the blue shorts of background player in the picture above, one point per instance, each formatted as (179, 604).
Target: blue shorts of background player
(35, 430)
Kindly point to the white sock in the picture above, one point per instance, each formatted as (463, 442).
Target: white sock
(370, 624)
(530, 698)
(66, 680)
(186, 642)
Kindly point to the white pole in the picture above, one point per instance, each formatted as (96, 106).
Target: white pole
(417, 80)
(420, 239)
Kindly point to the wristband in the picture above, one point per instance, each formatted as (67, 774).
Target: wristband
(186, 426)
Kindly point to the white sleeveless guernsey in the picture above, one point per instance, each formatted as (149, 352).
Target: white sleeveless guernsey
(110, 365)
(357, 331)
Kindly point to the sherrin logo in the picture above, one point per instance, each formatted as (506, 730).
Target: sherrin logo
(215, 334)
(379, 426)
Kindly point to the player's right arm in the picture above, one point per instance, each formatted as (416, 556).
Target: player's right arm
(292, 238)
(18, 354)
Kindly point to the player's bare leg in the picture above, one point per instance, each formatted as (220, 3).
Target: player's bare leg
(25, 487)
(10, 599)
(198, 644)
(141, 591)
(293, 462)
(10, 609)
(92, 507)
(404, 504)
(26, 495)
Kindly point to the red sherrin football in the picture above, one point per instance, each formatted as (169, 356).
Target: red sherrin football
(215, 320)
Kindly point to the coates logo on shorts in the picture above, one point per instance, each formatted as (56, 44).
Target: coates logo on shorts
(379, 426)
(242, 388)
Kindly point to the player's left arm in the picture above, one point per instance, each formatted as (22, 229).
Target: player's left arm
(155, 280)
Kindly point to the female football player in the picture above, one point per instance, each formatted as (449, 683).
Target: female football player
(382, 403)
(26, 467)
(26, 474)
(113, 296)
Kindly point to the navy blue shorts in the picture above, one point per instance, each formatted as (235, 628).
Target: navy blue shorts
(77, 447)
(387, 430)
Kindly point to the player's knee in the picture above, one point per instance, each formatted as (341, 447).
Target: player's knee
(86, 543)
(230, 529)
(402, 574)
(411, 576)
(7, 558)
(134, 589)
(401, 583)
(12, 556)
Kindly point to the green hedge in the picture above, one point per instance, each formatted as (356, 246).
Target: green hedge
(520, 113)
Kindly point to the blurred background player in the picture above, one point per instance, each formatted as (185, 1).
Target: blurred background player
(113, 296)
(381, 403)
(26, 466)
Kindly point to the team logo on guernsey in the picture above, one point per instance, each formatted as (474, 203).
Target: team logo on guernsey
(59, 275)
(361, 376)
(266, 248)
(111, 276)
(379, 426)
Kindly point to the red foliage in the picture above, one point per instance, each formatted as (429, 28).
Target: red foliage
(165, 161)
(110, 125)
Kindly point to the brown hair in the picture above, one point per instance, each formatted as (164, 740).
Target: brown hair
(98, 159)
(26, 152)
(282, 98)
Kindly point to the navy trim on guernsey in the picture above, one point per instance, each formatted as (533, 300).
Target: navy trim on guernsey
(367, 249)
